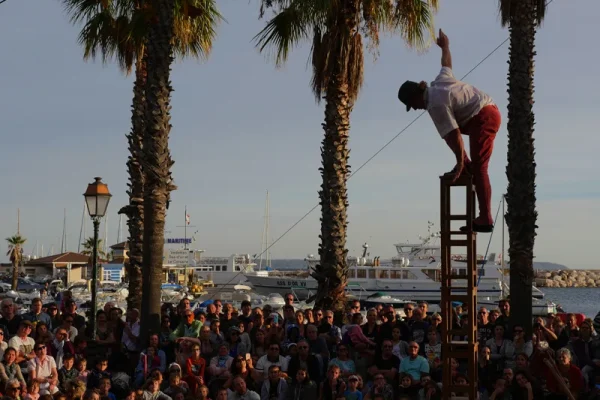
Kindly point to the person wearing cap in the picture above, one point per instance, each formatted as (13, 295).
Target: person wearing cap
(458, 108)
(352, 392)
(23, 342)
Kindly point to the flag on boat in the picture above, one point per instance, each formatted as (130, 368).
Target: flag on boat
(187, 219)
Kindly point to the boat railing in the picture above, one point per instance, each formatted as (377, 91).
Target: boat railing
(293, 289)
(352, 288)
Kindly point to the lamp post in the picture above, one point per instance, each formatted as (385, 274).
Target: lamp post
(97, 197)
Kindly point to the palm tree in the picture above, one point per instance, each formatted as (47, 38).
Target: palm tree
(157, 159)
(118, 29)
(522, 17)
(15, 254)
(88, 248)
(336, 30)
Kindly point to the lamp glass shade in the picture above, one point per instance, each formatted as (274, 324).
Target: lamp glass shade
(97, 198)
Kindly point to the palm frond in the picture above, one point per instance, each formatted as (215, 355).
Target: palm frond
(98, 37)
(81, 10)
(414, 19)
(282, 32)
(195, 33)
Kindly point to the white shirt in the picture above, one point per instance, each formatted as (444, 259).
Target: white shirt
(263, 364)
(43, 368)
(452, 103)
(127, 341)
(25, 346)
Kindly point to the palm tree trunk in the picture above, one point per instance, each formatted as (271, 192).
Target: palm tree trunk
(521, 215)
(156, 162)
(135, 209)
(15, 273)
(332, 271)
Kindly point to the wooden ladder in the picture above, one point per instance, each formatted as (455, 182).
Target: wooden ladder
(458, 288)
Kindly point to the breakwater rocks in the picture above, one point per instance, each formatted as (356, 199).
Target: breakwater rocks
(568, 278)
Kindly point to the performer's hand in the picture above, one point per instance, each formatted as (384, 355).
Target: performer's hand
(442, 40)
(457, 171)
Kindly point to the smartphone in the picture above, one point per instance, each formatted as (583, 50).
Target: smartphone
(248, 356)
(276, 319)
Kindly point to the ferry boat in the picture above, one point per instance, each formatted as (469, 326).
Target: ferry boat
(223, 271)
(414, 274)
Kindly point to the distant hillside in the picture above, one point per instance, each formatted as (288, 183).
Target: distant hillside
(549, 266)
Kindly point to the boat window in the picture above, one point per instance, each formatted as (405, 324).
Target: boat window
(351, 273)
(383, 274)
(372, 274)
(481, 271)
(394, 274)
(361, 273)
(218, 268)
(430, 273)
(224, 268)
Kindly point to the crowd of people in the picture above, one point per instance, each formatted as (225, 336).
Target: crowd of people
(289, 354)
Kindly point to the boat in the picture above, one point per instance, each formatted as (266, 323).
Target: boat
(223, 271)
(414, 273)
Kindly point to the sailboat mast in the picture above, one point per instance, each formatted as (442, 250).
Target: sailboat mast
(185, 224)
(264, 240)
(105, 234)
(63, 240)
(268, 232)
(82, 228)
(119, 230)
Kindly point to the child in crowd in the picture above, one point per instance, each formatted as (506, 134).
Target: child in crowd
(352, 393)
(82, 369)
(104, 389)
(33, 391)
(67, 372)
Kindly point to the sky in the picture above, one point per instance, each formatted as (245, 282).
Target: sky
(242, 127)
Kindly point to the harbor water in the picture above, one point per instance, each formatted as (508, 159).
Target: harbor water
(577, 300)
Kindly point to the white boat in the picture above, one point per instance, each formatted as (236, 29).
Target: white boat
(414, 274)
(223, 271)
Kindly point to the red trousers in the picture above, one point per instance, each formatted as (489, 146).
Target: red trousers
(482, 130)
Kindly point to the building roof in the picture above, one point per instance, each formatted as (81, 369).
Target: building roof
(67, 258)
(120, 246)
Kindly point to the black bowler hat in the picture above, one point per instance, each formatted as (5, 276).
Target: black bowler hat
(407, 92)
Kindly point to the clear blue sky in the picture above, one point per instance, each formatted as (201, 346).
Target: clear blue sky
(241, 127)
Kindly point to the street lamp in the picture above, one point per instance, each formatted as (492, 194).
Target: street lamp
(97, 197)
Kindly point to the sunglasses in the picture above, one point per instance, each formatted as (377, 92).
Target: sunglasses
(40, 348)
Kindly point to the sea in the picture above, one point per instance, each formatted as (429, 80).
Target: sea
(575, 300)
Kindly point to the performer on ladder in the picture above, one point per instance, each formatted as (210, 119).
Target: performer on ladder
(459, 108)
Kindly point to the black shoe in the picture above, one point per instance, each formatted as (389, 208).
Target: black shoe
(479, 228)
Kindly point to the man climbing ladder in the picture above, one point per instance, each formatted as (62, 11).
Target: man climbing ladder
(459, 108)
